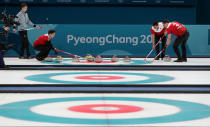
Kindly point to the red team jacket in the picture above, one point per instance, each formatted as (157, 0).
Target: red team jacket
(160, 31)
(176, 28)
(42, 40)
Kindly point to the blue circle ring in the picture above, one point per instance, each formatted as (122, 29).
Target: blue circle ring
(21, 110)
(152, 78)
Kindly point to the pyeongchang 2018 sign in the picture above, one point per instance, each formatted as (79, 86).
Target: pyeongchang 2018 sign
(112, 39)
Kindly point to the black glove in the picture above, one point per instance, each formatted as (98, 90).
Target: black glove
(5, 47)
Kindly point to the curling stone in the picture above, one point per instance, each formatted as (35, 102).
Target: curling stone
(48, 59)
(98, 59)
(114, 59)
(90, 58)
(127, 59)
(167, 58)
(59, 59)
(75, 59)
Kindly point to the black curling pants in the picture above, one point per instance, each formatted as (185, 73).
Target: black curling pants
(24, 43)
(181, 40)
(157, 48)
(44, 51)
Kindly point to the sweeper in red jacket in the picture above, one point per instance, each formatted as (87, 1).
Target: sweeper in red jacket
(157, 33)
(182, 35)
(43, 44)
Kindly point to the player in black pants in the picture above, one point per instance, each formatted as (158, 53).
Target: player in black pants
(23, 19)
(157, 33)
(182, 34)
(44, 45)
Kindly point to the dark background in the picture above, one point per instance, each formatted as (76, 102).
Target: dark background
(112, 12)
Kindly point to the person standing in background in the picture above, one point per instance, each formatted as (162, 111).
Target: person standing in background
(23, 19)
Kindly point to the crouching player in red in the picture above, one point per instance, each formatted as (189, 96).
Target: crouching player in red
(157, 33)
(43, 44)
(182, 34)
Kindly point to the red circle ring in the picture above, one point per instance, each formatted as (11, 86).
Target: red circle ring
(90, 108)
(99, 77)
(96, 62)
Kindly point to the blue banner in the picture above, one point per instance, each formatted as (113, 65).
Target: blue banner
(108, 40)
